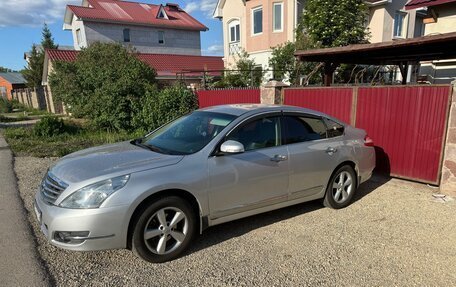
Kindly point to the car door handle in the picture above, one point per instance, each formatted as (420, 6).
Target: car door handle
(331, 150)
(278, 158)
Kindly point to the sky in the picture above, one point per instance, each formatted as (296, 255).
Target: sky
(21, 22)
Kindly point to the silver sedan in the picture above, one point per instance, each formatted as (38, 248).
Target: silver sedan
(218, 164)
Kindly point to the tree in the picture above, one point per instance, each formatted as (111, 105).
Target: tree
(244, 73)
(47, 41)
(283, 62)
(104, 84)
(5, 70)
(33, 73)
(330, 23)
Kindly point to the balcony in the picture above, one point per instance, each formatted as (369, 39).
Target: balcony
(235, 48)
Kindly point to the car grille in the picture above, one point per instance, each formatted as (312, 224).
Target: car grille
(51, 188)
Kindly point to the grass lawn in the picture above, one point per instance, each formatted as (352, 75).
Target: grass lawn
(24, 142)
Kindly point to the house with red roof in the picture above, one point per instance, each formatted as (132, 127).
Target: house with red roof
(149, 28)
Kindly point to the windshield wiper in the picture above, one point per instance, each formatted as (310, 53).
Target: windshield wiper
(138, 142)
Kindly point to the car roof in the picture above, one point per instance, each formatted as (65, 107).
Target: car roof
(240, 109)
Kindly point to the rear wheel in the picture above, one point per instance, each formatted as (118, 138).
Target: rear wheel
(164, 230)
(341, 188)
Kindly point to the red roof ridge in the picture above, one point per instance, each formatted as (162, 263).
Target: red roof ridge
(159, 54)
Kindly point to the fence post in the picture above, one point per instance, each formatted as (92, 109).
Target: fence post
(354, 106)
(448, 177)
(271, 93)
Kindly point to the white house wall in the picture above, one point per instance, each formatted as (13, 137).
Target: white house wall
(145, 39)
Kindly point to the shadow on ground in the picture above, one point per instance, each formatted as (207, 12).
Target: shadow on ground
(226, 231)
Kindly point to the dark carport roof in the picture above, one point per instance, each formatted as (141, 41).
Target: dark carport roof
(414, 4)
(13, 78)
(434, 47)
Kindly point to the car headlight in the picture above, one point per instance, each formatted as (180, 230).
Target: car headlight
(92, 196)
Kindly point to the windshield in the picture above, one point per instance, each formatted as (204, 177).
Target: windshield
(188, 134)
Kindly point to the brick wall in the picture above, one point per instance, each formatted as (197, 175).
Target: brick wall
(7, 85)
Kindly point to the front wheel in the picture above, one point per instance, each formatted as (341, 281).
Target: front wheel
(341, 188)
(164, 230)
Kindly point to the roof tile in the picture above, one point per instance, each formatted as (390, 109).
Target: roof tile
(13, 77)
(136, 13)
(164, 64)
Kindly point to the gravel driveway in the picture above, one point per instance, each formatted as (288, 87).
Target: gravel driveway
(394, 234)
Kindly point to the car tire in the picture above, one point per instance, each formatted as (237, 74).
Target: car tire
(164, 230)
(341, 188)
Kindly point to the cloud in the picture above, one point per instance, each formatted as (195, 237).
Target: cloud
(32, 13)
(205, 6)
(208, 6)
(214, 50)
(191, 7)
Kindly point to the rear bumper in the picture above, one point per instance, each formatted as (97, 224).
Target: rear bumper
(366, 164)
(104, 226)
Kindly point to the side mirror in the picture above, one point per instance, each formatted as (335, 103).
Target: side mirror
(231, 147)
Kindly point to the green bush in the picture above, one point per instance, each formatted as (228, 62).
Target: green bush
(158, 107)
(49, 127)
(102, 85)
(5, 106)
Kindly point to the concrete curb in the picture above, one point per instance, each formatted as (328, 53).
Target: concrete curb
(21, 264)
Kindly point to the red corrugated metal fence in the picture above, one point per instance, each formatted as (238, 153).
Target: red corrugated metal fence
(209, 98)
(407, 123)
(336, 102)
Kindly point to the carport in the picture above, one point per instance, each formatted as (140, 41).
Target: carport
(400, 53)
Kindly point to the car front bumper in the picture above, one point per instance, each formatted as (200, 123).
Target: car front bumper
(101, 228)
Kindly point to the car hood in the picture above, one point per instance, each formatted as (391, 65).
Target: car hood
(113, 159)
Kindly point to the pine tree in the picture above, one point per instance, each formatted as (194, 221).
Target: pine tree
(47, 41)
(33, 73)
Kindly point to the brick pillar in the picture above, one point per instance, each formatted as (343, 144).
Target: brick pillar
(271, 93)
(448, 179)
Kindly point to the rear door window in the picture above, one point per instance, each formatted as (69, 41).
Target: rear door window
(303, 128)
(334, 129)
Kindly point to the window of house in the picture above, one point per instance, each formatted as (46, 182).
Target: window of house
(257, 20)
(162, 14)
(78, 36)
(235, 31)
(126, 35)
(161, 37)
(300, 8)
(399, 24)
(277, 18)
(2, 92)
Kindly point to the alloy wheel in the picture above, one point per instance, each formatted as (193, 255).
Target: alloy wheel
(166, 230)
(342, 187)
